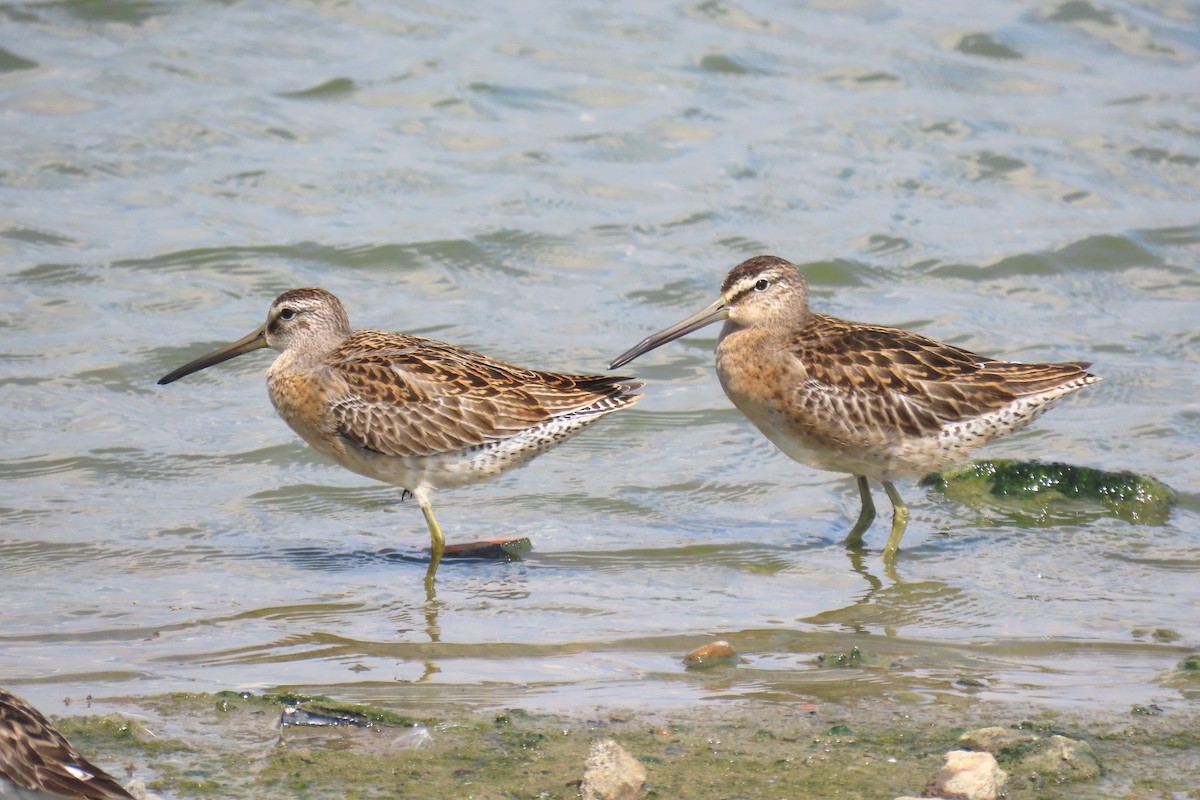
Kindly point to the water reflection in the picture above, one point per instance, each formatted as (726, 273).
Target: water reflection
(890, 606)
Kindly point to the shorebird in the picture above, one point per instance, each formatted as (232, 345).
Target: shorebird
(876, 402)
(38, 763)
(413, 412)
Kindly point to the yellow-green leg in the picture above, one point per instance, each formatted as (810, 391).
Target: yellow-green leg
(437, 542)
(865, 517)
(899, 520)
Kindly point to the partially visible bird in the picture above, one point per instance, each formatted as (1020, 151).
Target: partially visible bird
(409, 411)
(875, 402)
(38, 763)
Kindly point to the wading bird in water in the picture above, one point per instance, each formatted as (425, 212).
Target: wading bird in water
(413, 412)
(876, 402)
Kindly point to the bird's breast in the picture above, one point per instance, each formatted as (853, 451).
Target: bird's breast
(756, 371)
(303, 399)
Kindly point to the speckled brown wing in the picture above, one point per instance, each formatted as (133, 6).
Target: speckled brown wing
(34, 755)
(889, 379)
(409, 396)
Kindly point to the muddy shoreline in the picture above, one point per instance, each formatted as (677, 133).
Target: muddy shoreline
(233, 745)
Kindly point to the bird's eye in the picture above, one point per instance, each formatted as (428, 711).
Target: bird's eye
(287, 313)
(762, 285)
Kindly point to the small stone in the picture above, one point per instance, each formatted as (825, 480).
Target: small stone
(967, 776)
(711, 655)
(611, 773)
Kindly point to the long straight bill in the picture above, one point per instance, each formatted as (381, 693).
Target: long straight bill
(714, 313)
(246, 344)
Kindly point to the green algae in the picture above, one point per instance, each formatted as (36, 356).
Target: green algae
(117, 735)
(1190, 666)
(1030, 486)
(848, 660)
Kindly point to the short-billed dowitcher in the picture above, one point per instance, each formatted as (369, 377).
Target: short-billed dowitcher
(38, 763)
(875, 402)
(409, 411)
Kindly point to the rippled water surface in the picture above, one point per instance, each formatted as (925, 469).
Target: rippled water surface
(548, 182)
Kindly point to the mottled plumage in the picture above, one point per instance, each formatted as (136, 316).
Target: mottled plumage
(413, 412)
(38, 763)
(876, 402)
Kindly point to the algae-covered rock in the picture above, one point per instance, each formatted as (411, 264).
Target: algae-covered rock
(1185, 676)
(851, 658)
(1190, 667)
(995, 739)
(1032, 484)
(1034, 757)
(1059, 760)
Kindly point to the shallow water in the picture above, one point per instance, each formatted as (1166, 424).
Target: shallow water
(549, 182)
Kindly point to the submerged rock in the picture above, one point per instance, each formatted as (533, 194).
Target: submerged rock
(611, 773)
(1132, 497)
(509, 549)
(713, 654)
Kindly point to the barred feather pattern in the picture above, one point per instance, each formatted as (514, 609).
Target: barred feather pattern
(36, 761)
(418, 412)
(407, 396)
(877, 401)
